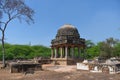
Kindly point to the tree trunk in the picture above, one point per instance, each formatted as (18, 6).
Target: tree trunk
(3, 48)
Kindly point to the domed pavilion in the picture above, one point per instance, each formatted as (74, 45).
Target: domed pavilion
(64, 45)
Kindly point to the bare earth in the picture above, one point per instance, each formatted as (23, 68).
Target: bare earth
(58, 74)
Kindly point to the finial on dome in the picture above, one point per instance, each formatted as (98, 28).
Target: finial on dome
(68, 26)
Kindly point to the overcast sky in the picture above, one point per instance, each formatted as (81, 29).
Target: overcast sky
(95, 20)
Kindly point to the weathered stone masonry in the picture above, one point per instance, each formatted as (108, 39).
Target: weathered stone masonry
(63, 46)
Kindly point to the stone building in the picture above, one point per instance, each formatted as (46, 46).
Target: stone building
(64, 45)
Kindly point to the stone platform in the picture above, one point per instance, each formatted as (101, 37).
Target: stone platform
(59, 68)
(63, 61)
(23, 67)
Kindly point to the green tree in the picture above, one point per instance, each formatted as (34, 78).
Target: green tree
(89, 43)
(107, 47)
(117, 50)
(93, 52)
(91, 49)
(25, 51)
(19, 51)
(41, 51)
(10, 10)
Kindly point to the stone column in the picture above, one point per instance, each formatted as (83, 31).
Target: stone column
(55, 53)
(84, 54)
(79, 52)
(61, 52)
(72, 52)
(52, 53)
(69, 52)
(66, 52)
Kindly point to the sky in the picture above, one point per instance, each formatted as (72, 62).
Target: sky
(96, 20)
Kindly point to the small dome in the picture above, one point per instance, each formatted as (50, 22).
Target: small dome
(68, 30)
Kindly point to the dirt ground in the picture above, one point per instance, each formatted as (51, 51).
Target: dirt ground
(57, 75)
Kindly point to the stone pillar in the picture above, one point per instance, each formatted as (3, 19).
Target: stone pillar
(69, 52)
(61, 52)
(79, 52)
(84, 54)
(66, 52)
(58, 53)
(55, 53)
(52, 53)
(72, 52)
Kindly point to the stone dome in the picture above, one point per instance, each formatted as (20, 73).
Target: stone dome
(68, 34)
(68, 30)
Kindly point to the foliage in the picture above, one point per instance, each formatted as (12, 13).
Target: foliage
(91, 49)
(117, 50)
(25, 51)
(89, 43)
(105, 49)
(92, 52)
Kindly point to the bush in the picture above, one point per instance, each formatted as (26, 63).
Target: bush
(25, 51)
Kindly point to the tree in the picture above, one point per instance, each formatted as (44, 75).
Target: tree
(117, 50)
(25, 51)
(111, 42)
(91, 49)
(89, 43)
(107, 47)
(10, 10)
(93, 52)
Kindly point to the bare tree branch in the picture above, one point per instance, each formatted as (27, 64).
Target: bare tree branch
(1, 29)
(13, 9)
(2, 22)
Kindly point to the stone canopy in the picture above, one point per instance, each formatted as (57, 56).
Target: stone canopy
(63, 46)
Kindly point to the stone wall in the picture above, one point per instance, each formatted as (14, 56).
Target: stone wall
(21, 68)
(62, 61)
